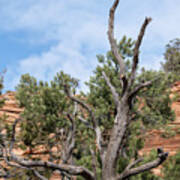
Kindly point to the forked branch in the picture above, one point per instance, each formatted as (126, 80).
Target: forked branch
(83, 104)
(69, 169)
(134, 92)
(94, 121)
(162, 156)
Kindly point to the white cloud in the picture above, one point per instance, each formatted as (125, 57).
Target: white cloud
(75, 54)
(46, 65)
(80, 36)
(79, 28)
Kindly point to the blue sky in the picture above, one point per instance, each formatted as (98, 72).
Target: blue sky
(42, 37)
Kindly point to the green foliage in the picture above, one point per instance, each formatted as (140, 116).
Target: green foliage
(171, 168)
(168, 132)
(151, 107)
(44, 107)
(147, 175)
(178, 130)
(100, 96)
(155, 102)
(28, 174)
(172, 57)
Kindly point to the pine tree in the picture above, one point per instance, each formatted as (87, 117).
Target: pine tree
(172, 57)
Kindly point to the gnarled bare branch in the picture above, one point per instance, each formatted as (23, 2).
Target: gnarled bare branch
(112, 88)
(92, 115)
(37, 174)
(83, 104)
(135, 162)
(136, 49)
(13, 134)
(94, 163)
(86, 123)
(70, 142)
(141, 86)
(162, 156)
(69, 169)
(114, 47)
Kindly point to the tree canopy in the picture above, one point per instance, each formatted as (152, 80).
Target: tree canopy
(172, 57)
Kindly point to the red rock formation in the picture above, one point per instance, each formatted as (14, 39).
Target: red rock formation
(154, 138)
(11, 111)
(10, 108)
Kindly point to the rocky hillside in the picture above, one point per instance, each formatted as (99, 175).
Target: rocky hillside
(11, 111)
(154, 138)
(157, 138)
(10, 108)
(169, 142)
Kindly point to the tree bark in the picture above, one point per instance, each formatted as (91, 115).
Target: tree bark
(119, 129)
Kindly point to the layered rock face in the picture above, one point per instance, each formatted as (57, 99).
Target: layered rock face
(155, 137)
(11, 111)
(10, 108)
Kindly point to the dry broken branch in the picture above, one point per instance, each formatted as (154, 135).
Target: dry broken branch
(114, 47)
(145, 167)
(37, 174)
(69, 169)
(85, 122)
(112, 88)
(140, 87)
(83, 104)
(13, 134)
(136, 49)
(96, 128)
(70, 142)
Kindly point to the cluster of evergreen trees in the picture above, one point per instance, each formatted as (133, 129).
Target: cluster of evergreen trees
(46, 107)
(63, 120)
